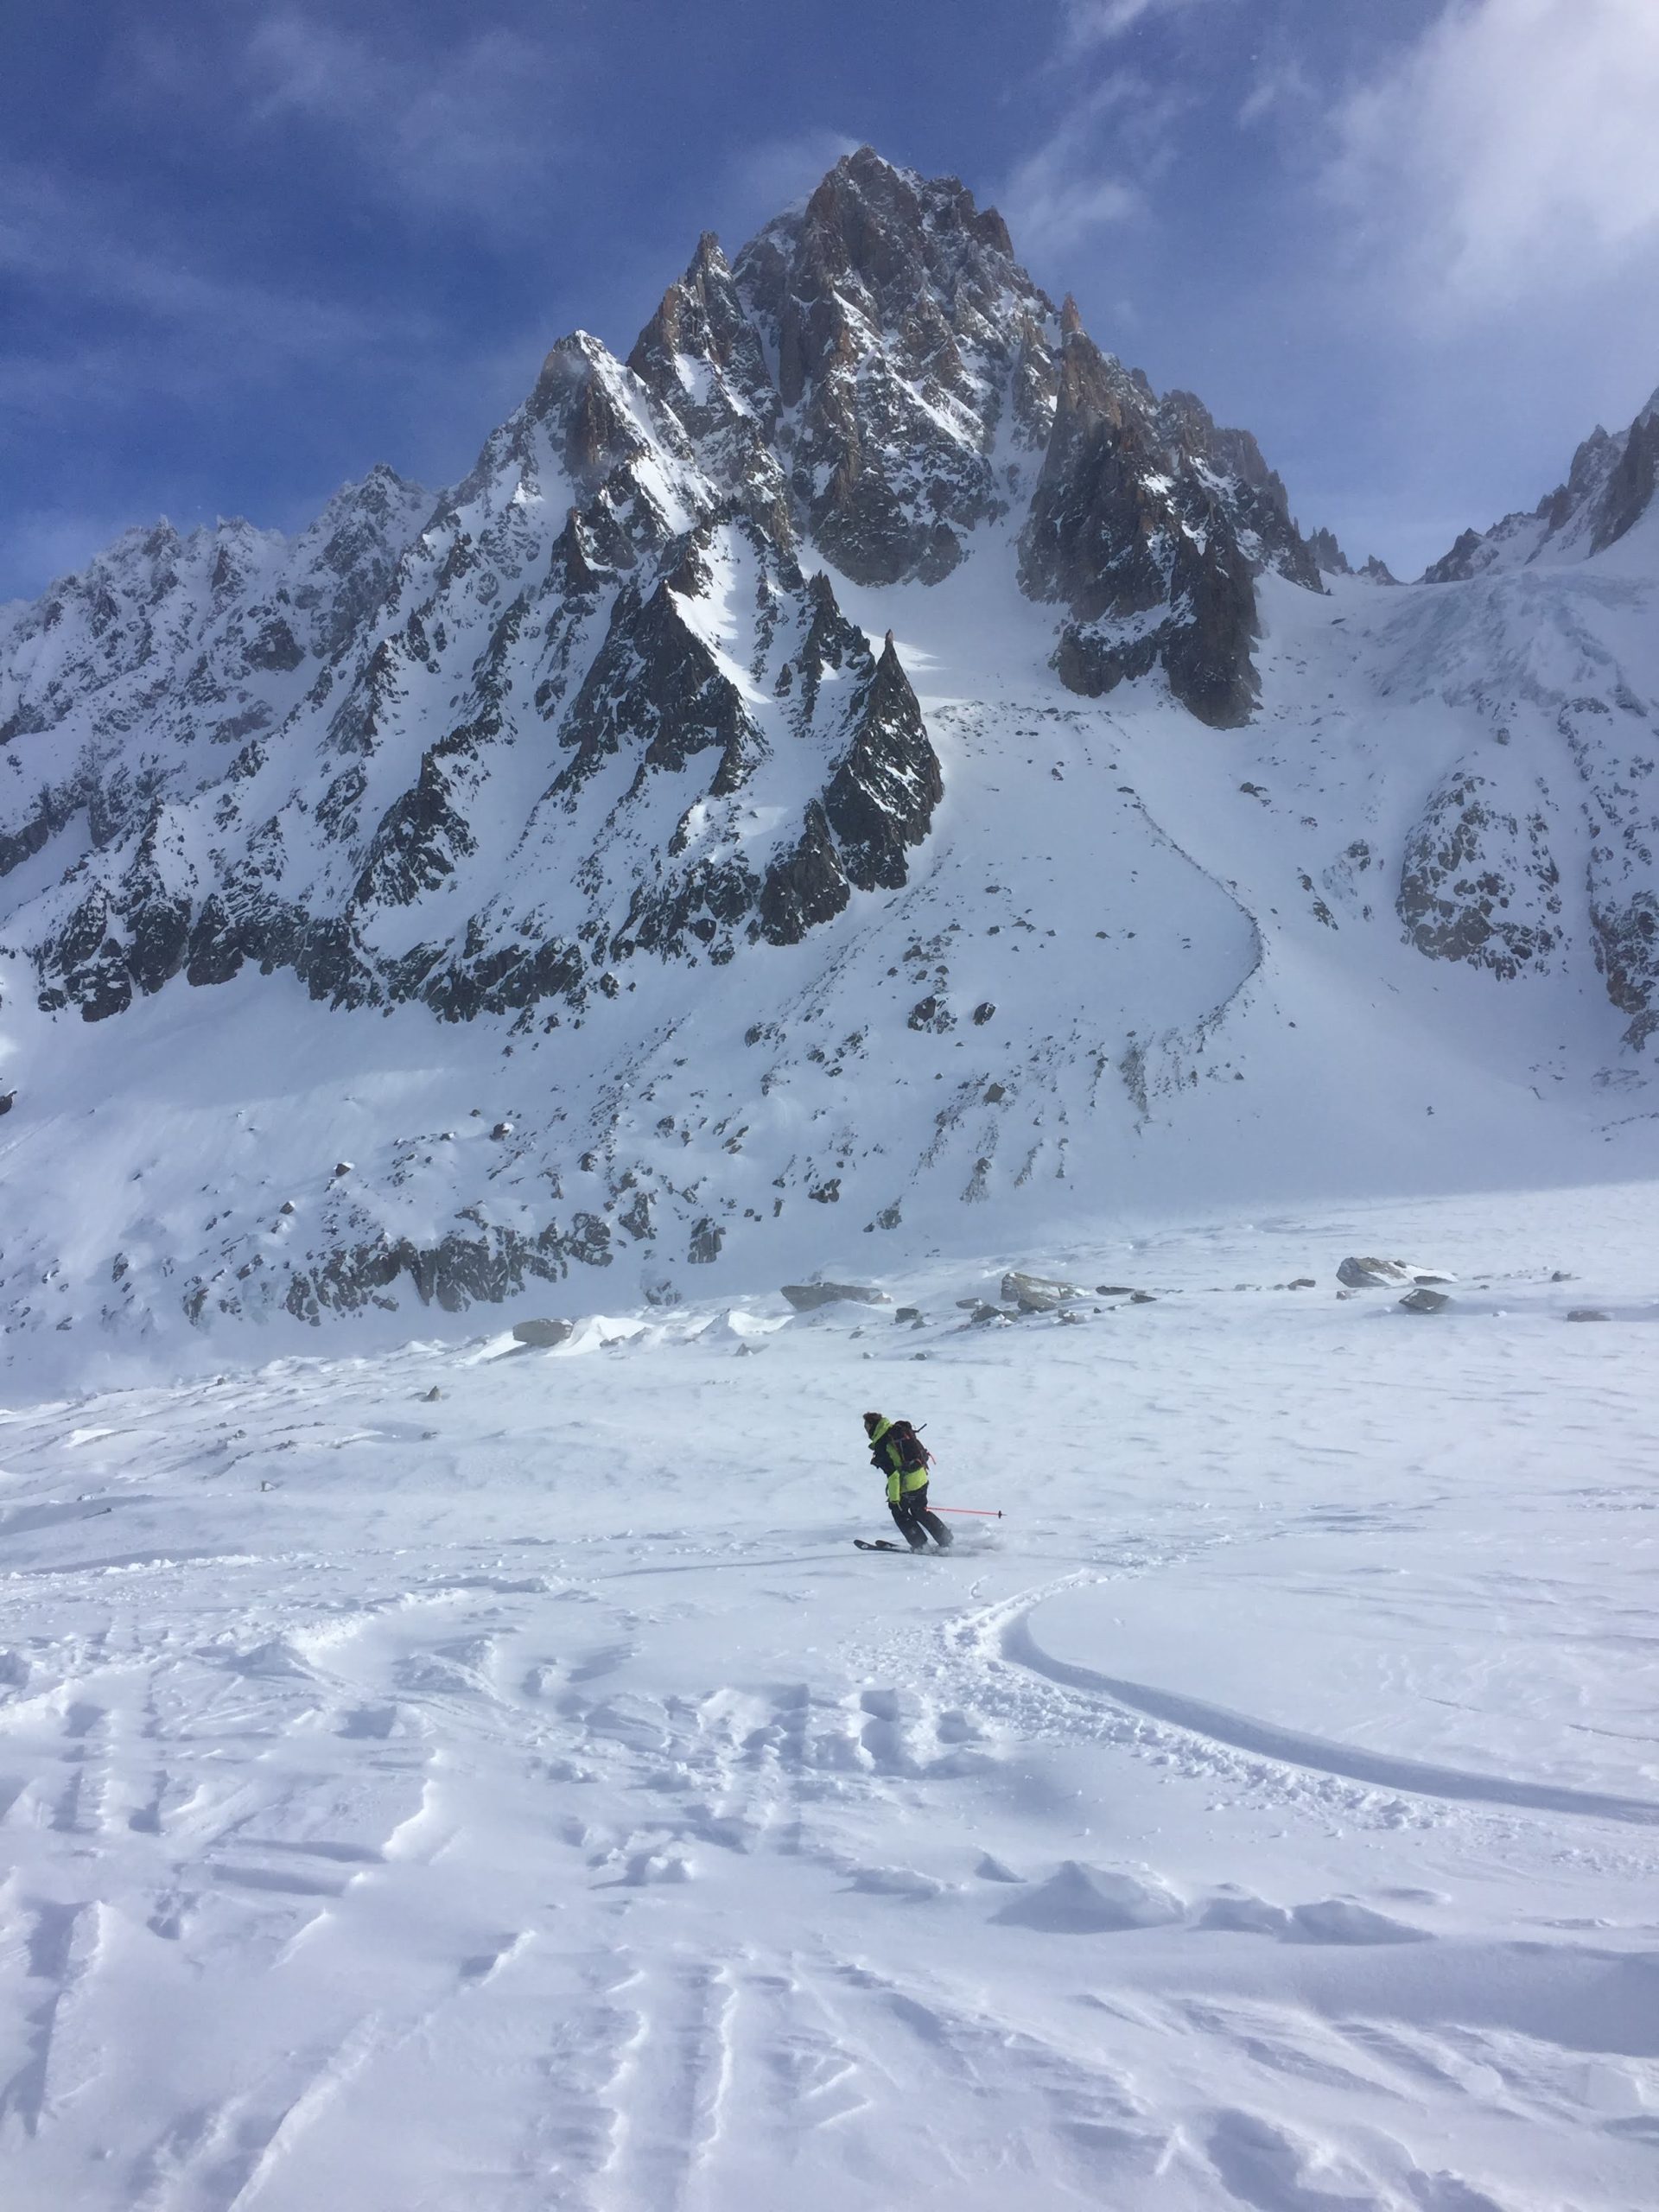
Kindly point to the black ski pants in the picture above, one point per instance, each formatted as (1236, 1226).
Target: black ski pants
(916, 1524)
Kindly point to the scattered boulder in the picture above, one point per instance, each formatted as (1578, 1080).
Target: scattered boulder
(1424, 1301)
(502, 1129)
(1588, 1313)
(1560, 1275)
(1119, 1290)
(8, 1100)
(431, 1397)
(1037, 1295)
(1302, 1283)
(287, 1206)
(807, 1297)
(1385, 1275)
(908, 1313)
(541, 1336)
(1075, 1319)
(1142, 1298)
(983, 1315)
(341, 1167)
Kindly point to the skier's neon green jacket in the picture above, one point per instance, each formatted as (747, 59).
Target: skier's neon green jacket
(900, 1479)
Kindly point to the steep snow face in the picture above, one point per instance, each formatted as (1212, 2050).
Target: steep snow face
(789, 909)
(1609, 488)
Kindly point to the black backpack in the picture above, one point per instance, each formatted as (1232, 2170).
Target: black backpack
(912, 1453)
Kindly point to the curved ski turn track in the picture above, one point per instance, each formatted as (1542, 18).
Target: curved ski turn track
(507, 1800)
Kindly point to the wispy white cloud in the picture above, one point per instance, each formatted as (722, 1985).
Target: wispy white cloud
(776, 172)
(1506, 157)
(475, 130)
(85, 246)
(1092, 173)
(1090, 23)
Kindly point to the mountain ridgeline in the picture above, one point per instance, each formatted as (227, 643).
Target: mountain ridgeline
(867, 766)
(297, 755)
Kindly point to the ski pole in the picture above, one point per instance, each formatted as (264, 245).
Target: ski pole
(986, 1512)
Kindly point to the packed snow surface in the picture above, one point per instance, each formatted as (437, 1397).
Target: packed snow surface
(525, 1796)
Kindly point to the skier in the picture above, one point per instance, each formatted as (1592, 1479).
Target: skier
(897, 1450)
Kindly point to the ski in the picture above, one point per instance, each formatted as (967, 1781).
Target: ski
(881, 1544)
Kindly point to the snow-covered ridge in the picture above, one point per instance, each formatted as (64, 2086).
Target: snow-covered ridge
(1609, 488)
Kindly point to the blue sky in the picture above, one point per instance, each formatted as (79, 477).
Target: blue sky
(246, 250)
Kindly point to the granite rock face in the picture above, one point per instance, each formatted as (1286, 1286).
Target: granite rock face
(1150, 524)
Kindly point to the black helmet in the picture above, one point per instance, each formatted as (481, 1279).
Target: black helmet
(872, 1422)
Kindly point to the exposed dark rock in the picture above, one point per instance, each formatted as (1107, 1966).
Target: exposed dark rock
(805, 887)
(1628, 493)
(1479, 885)
(1424, 1301)
(1382, 1274)
(1128, 528)
(1037, 1293)
(884, 788)
(540, 1335)
(891, 457)
(1328, 557)
(807, 1297)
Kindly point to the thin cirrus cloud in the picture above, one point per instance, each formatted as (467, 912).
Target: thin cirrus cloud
(1506, 157)
(472, 131)
(1092, 173)
(184, 323)
(1099, 22)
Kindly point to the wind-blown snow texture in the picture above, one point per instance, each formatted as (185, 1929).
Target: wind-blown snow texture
(491, 1781)
(864, 776)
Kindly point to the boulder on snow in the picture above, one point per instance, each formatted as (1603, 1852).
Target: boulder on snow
(807, 1297)
(907, 1313)
(981, 1315)
(431, 1397)
(341, 1167)
(1079, 1900)
(1119, 1289)
(1424, 1301)
(541, 1336)
(1386, 1275)
(1588, 1313)
(8, 1100)
(502, 1129)
(1038, 1293)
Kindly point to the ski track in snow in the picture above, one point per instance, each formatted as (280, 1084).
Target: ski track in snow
(531, 1804)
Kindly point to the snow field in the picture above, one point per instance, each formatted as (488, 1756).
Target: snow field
(528, 1798)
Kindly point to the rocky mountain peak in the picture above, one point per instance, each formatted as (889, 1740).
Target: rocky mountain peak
(900, 330)
(1608, 487)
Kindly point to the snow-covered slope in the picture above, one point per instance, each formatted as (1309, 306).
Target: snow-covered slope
(865, 775)
(490, 1782)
